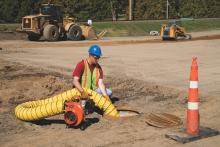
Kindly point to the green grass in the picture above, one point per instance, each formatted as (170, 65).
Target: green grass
(139, 28)
(202, 24)
(128, 28)
(9, 27)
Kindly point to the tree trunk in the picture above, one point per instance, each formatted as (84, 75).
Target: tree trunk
(113, 11)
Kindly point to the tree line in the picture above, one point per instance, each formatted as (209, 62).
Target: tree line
(156, 9)
(105, 10)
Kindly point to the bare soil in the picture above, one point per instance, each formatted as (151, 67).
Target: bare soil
(19, 40)
(12, 35)
(147, 77)
(24, 83)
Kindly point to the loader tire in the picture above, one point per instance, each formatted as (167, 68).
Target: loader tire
(33, 37)
(74, 33)
(51, 33)
(188, 37)
(176, 36)
(164, 38)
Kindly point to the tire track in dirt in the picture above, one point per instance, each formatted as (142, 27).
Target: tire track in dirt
(28, 44)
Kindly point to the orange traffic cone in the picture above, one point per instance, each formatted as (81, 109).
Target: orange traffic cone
(192, 127)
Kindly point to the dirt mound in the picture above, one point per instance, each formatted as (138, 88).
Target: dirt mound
(20, 84)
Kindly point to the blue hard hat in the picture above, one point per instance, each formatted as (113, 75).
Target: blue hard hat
(95, 50)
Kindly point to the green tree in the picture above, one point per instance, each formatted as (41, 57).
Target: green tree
(149, 9)
(99, 10)
(25, 8)
(213, 8)
(200, 8)
(9, 10)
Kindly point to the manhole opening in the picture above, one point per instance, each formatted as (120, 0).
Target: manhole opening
(127, 113)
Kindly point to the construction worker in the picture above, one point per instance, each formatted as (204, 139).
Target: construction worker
(88, 74)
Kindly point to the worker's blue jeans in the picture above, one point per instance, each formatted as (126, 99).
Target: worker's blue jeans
(109, 92)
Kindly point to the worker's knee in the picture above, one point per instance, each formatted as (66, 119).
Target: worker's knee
(108, 91)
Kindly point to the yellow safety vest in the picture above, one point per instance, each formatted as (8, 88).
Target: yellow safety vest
(90, 80)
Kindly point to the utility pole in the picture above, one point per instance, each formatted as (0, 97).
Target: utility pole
(130, 9)
(167, 9)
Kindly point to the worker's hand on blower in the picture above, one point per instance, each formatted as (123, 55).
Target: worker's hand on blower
(107, 97)
(85, 95)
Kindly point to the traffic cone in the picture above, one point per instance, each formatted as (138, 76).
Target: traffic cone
(192, 125)
(193, 129)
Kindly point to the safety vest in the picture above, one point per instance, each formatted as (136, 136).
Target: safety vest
(90, 80)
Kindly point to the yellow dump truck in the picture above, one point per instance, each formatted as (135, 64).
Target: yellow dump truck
(51, 24)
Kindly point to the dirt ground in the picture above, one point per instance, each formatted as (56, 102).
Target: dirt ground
(144, 75)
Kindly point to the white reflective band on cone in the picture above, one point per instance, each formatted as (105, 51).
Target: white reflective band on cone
(193, 84)
(193, 105)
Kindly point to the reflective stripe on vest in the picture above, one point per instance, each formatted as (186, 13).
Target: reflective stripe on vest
(90, 80)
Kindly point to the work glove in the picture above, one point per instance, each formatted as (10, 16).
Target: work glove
(85, 95)
(107, 97)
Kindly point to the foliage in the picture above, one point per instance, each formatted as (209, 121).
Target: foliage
(151, 9)
(102, 10)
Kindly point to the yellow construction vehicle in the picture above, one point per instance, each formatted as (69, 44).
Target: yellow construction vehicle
(173, 30)
(51, 24)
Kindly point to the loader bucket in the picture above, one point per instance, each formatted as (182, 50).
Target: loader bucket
(90, 34)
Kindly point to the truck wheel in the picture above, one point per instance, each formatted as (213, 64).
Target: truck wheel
(33, 37)
(51, 33)
(74, 33)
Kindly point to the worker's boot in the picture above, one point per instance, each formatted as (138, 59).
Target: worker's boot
(89, 107)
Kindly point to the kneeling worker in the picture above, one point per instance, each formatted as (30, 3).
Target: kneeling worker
(88, 74)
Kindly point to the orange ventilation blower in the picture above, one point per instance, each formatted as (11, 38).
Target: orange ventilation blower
(74, 114)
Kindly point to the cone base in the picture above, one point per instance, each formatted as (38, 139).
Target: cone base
(182, 137)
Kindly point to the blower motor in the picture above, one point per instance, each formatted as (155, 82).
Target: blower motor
(74, 113)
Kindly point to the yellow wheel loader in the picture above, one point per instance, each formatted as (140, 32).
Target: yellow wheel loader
(51, 24)
(173, 30)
